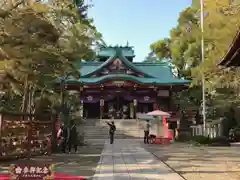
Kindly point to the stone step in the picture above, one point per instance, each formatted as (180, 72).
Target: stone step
(98, 129)
(235, 144)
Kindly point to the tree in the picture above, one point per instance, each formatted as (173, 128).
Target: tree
(161, 48)
(184, 48)
(151, 57)
(54, 38)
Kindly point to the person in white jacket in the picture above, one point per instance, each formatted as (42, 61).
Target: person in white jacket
(146, 132)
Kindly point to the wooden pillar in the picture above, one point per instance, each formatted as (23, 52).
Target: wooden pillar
(134, 103)
(101, 107)
(155, 104)
(135, 108)
(101, 102)
(81, 113)
(170, 103)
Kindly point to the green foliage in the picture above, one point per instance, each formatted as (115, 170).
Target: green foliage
(202, 140)
(161, 48)
(151, 58)
(42, 41)
(221, 21)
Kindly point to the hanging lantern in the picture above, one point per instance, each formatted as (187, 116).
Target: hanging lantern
(101, 102)
(81, 88)
(135, 102)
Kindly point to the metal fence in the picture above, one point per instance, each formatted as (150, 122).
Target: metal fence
(213, 130)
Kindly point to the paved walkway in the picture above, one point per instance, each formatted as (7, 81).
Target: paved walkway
(126, 159)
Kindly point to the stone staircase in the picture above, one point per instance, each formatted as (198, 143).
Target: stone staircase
(96, 129)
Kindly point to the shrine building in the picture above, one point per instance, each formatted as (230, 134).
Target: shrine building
(113, 86)
(232, 57)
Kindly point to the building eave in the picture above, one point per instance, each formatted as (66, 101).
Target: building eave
(233, 48)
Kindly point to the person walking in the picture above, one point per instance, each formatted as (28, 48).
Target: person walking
(112, 129)
(73, 136)
(146, 132)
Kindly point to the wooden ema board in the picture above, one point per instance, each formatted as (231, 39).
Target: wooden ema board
(22, 138)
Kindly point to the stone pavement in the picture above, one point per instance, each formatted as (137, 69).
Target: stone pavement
(82, 163)
(126, 159)
(200, 162)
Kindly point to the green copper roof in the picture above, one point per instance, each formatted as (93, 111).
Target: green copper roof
(159, 74)
(148, 81)
(155, 73)
(110, 51)
(118, 54)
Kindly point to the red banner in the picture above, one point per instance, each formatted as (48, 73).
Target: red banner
(31, 172)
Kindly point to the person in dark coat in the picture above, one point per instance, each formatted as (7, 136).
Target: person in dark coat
(112, 129)
(73, 136)
(63, 135)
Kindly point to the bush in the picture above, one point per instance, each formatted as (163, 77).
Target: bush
(183, 138)
(236, 133)
(219, 141)
(200, 139)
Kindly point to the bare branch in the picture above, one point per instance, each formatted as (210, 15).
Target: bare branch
(5, 13)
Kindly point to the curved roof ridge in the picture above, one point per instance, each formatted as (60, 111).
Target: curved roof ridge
(224, 60)
(128, 77)
(118, 54)
(110, 59)
(131, 65)
(152, 63)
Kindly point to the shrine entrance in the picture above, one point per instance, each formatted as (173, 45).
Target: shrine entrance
(117, 108)
(91, 110)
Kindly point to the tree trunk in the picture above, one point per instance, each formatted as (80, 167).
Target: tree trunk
(25, 95)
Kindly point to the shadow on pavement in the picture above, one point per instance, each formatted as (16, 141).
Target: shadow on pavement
(198, 163)
(82, 163)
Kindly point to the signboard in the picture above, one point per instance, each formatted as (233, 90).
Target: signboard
(163, 93)
(119, 83)
(31, 172)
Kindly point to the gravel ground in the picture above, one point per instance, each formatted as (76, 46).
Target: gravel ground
(81, 164)
(198, 163)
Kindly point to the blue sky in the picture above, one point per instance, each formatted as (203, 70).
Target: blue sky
(140, 22)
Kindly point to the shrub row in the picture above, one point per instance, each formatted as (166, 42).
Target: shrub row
(202, 140)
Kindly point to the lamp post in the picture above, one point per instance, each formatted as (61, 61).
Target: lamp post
(202, 58)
